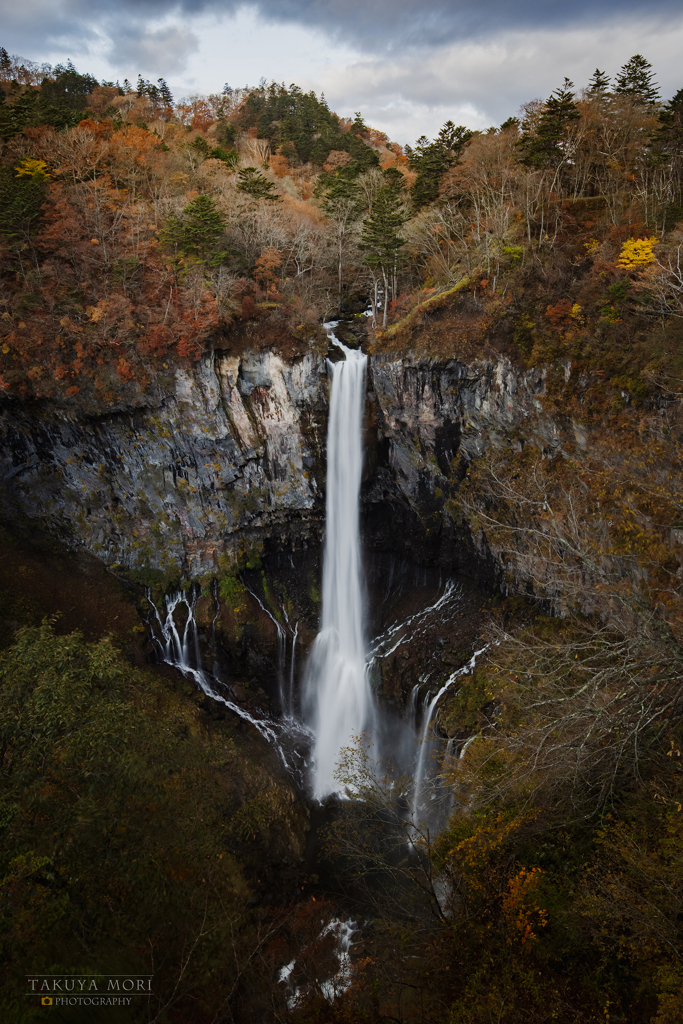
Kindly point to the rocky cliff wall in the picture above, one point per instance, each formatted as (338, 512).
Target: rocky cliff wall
(237, 453)
(227, 456)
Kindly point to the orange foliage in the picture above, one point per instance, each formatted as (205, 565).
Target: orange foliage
(279, 165)
(249, 310)
(267, 267)
(197, 112)
(375, 138)
(521, 905)
(560, 313)
(108, 305)
(336, 158)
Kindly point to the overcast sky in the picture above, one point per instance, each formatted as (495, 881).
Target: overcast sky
(406, 66)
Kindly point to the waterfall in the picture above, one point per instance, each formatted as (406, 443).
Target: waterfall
(338, 698)
(338, 983)
(174, 649)
(286, 702)
(429, 740)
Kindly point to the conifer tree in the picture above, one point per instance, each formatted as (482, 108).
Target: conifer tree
(67, 89)
(381, 239)
(431, 160)
(636, 79)
(599, 83)
(545, 146)
(195, 235)
(165, 93)
(667, 150)
(256, 185)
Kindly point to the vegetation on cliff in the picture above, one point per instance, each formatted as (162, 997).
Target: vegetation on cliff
(138, 232)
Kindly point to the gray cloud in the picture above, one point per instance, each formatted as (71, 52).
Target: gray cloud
(388, 24)
(371, 25)
(482, 82)
(158, 52)
(408, 70)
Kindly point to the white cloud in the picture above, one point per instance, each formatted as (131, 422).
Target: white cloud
(243, 49)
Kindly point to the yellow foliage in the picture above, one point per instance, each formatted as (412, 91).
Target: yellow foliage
(637, 252)
(32, 168)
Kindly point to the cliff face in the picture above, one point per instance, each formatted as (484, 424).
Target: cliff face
(237, 452)
(227, 455)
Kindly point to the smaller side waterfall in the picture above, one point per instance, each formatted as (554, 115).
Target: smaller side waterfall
(339, 701)
(430, 742)
(342, 931)
(285, 682)
(174, 647)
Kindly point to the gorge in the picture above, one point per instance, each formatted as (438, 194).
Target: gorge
(234, 463)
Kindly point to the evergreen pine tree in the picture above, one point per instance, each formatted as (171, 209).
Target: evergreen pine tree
(599, 83)
(381, 240)
(195, 235)
(431, 160)
(667, 150)
(544, 147)
(204, 226)
(256, 185)
(165, 93)
(671, 121)
(636, 79)
(358, 126)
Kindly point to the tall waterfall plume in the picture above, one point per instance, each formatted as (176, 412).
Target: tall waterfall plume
(338, 697)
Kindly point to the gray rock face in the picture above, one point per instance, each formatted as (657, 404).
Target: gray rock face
(429, 421)
(238, 452)
(177, 483)
(431, 412)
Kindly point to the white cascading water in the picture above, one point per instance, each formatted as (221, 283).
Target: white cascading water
(175, 650)
(430, 742)
(338, 698)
